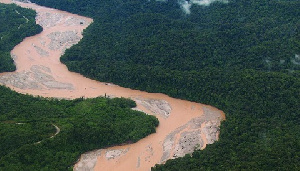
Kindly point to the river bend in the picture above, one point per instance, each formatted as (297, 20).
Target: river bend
(183, 126)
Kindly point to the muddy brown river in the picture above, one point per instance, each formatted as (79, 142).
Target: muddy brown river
(184, 126)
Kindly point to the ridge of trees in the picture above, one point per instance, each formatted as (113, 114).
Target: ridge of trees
(239, 57)
(27, 123)
(16, 24)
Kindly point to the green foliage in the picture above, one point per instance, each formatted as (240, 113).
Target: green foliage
(85, 124)
(236, 56)
(261, 131)
(14, 134)
(16, 24)
(255, 34)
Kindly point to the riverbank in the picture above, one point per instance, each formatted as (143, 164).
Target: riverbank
(184, 126)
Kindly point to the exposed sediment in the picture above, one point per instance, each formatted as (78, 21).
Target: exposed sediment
(184, 126)
(87, 161)
(62, 40)
(156, 106)
(38, 77)
(194, 135)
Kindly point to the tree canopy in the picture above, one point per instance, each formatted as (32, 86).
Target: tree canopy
(27, 123)
(16, 24)
(242, 57)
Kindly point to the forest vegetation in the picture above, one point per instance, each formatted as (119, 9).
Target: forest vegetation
(242, 57)
(27, 123)
(16, 24)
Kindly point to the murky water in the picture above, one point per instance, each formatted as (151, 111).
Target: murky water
(183, 124)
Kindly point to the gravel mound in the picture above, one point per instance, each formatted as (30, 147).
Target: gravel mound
(39, 77)
(158, 107)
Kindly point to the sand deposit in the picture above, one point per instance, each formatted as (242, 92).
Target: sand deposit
(6, 1)
(156, 106)
(184, 126)
(62, 40)
(194, 135)
(38, 77)
(87, 161)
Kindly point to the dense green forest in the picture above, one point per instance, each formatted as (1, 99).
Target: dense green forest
(85, 124)
(241, 57)
(27, 123)
(16, 24)
(256, 34)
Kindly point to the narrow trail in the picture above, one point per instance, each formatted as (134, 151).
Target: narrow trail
(183, 126)
(56, 133)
